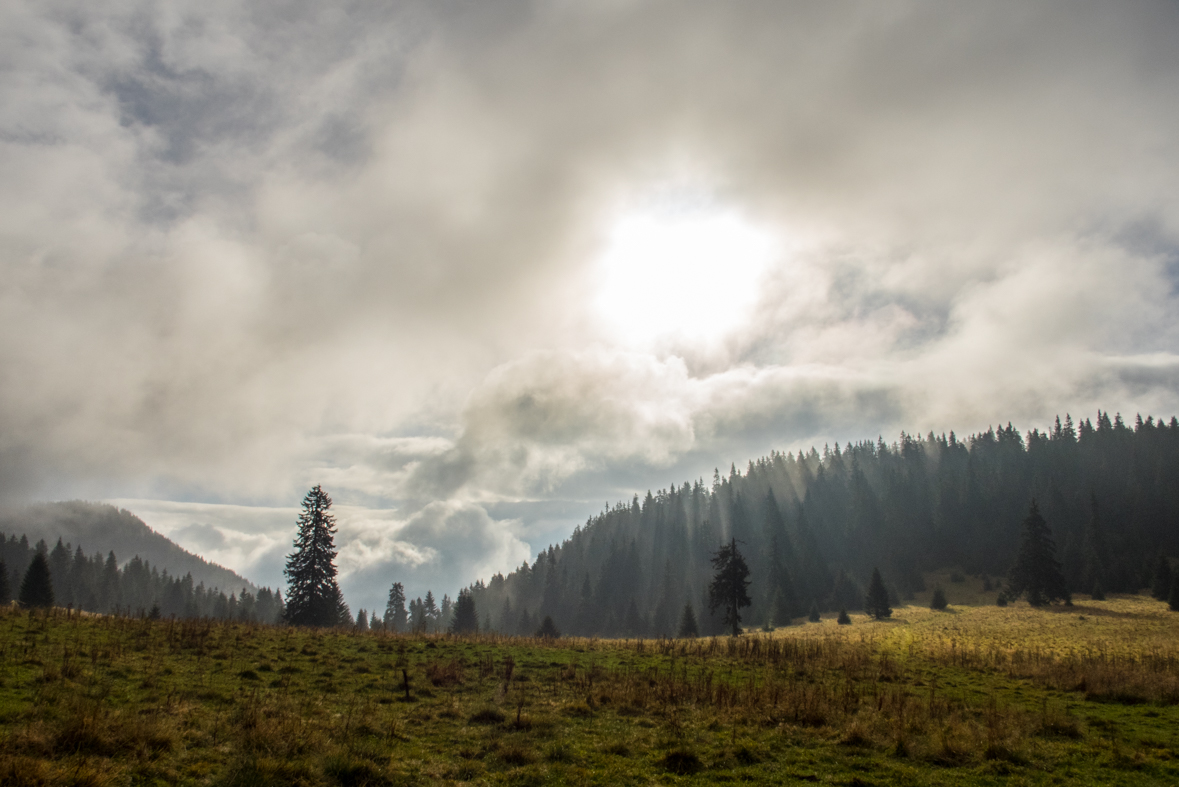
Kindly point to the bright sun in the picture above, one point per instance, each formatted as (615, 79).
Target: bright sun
(691, 275)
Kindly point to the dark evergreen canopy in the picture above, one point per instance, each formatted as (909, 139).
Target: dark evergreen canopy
(1161, 587)
(396, 617)
(1036, 573)
(37, 588)
(313, 596)
(548, 629)
(466, 619)
(729, 590)
(876, 600)
(688, 627)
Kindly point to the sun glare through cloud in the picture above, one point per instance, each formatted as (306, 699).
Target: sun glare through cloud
(691, 275)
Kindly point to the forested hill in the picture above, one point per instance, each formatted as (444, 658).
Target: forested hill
(103, 529)
(83, 544)
(812, 526)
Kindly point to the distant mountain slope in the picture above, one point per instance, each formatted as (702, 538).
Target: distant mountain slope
(97, 527)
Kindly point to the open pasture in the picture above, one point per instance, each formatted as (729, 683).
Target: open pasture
(973, 695)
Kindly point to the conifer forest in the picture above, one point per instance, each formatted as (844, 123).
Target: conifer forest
(93, 583)
(813, 526)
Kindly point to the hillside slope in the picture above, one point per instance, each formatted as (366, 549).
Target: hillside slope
(101, 528)
(813, 526)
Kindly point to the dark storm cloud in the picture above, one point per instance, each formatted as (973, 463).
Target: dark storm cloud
(248, 248)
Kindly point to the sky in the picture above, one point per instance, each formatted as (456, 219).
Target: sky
(482, 268)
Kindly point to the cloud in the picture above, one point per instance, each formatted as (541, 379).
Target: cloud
(248, 249)
(443, 546)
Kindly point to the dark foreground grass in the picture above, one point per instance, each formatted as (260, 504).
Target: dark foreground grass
(973, 696)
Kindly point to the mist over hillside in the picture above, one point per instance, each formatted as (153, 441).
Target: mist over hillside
(101, 528)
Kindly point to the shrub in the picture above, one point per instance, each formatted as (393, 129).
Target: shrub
(843, 618)
(681, 762)
(939, 599)
(814, 617)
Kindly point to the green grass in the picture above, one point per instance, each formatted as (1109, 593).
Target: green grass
(969, 696)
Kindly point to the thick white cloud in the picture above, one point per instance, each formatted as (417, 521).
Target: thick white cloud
(250, 248)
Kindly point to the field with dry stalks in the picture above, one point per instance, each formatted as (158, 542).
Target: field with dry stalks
(971, 695)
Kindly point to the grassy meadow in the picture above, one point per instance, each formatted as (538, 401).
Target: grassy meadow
(971, 695)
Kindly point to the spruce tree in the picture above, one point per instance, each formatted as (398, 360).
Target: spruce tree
(37, 588)
(1161, 587)
(548, 629)
(688, 627)
(1036, 573)
(844, 619)
(430, 612)
(313, 596)
(730, 584)
(876, 600)
(466, 619)
(362, 620)
(1173, 600)
(814, 616)
(5, 590)
(395, 615)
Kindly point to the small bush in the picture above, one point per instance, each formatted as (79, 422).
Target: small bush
(681, 762)
(1001, 600)
(843, 619)
(939, 599)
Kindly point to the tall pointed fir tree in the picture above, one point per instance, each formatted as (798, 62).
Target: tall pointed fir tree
(876, 599)
(313, 596)
(729, 589)
(1036, 573)
(37, 588)
(466, 618)
(396, 618)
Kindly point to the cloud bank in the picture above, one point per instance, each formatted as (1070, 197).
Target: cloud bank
(248, 248)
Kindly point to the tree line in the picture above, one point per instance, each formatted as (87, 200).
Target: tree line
(93, 583)
(815, 530)
(813, 527)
